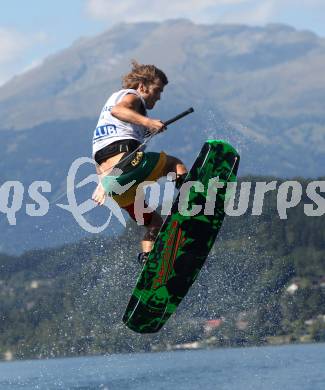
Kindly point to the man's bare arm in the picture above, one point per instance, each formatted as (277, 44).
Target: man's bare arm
(128, 110)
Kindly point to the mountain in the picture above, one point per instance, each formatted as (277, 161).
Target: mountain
(260, 88)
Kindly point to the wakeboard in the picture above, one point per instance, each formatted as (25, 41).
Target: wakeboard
(184, 241)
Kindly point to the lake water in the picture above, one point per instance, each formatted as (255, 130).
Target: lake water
(265, 368)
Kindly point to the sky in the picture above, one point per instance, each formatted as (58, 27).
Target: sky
(31, 30)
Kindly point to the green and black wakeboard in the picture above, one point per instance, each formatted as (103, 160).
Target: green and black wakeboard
(184, 241)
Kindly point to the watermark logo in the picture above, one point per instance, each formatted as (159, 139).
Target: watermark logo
(289, 194)
(78, 211)
(12, 196)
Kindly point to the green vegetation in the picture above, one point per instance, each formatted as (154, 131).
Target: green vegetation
(70, 300)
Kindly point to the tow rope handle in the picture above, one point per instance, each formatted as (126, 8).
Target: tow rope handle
(179, 116)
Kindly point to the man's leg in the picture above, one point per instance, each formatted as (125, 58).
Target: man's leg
(173, 164)
(153, 220)
(153, 228)
(152, 223)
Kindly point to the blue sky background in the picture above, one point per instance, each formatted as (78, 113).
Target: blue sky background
(31, 30)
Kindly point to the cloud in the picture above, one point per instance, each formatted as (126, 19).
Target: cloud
(251, 12)
(14, 49)
(153, 10)
(11, 43)
(254, 13)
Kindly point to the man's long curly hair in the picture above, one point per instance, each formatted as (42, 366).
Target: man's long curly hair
(146, 74)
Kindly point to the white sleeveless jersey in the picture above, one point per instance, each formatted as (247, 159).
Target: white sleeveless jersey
(110, 129)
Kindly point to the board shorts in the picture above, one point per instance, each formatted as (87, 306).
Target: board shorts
(148, 167)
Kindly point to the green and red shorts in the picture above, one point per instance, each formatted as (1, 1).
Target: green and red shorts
(150, 168)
